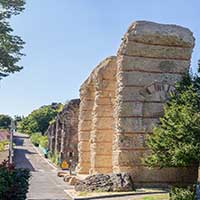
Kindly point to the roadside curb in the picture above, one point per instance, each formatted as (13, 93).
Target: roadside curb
(112, 195)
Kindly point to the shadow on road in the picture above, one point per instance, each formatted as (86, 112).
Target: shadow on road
(21, 155)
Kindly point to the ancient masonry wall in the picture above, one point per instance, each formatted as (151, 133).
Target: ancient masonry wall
(63, 133)
(123, 99)
(101, 137)
(96, 125)
(85, 125)
(151, 59)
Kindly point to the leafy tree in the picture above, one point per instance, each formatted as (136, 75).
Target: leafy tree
(17, 119)
(10, 45)
(5, 121)
(38, 120)
(176, 140)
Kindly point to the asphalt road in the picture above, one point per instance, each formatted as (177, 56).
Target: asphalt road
(44, 183)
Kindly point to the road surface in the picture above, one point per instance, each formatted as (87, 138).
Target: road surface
(44, 183)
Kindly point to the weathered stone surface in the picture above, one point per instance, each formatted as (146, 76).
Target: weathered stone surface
(63, 133)
(67, 178)
(74, 181)
(99, 119)
(151, 59)
(160, 34)
(62, 174)
(124, 97)
(106, 182)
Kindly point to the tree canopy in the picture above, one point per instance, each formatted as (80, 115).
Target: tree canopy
(38, 120)
(176, 140)
(10, 45)
(5, 121)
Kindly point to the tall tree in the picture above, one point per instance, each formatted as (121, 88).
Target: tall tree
(176, 140)
(39, 119)
(10, 45)
(5, 121)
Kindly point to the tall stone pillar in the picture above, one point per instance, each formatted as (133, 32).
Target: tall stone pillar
(151, 59)
(85, 126)
(104, 76)
(58, 135)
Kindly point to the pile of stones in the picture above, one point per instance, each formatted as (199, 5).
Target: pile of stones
(106, 183)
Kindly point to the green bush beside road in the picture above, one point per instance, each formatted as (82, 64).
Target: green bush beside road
(14, 183)
(179, 193)
(38, 139)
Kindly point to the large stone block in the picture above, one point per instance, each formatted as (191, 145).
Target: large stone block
(104, 101)
(136, 49)
(128, 63)
(129, 157)
(145, 79)
(136, 124)
(160, 34)
(84, 135)
(103, 123)
(103, 135)
(131, 141)
(103, 148)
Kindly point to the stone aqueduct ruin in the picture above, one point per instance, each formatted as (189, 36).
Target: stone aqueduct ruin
(63, 132)
(123, 99)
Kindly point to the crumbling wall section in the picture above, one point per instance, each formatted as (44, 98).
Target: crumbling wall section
(63, 133)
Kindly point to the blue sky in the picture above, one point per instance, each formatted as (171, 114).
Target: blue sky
(66, 39)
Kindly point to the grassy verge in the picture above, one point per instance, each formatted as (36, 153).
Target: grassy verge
(3, 145)
(155, 197)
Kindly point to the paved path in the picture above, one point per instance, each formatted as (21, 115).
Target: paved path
(44, 183)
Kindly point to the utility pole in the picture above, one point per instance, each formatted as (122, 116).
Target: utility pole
(12, 130)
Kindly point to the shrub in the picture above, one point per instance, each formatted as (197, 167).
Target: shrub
(38, 139)
(44, 141)
(3, 144)
(179, 193)
(14, 182)
(54, 157)
(35, 138)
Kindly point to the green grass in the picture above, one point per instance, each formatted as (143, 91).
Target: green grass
(156, 197)
(3, 144)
